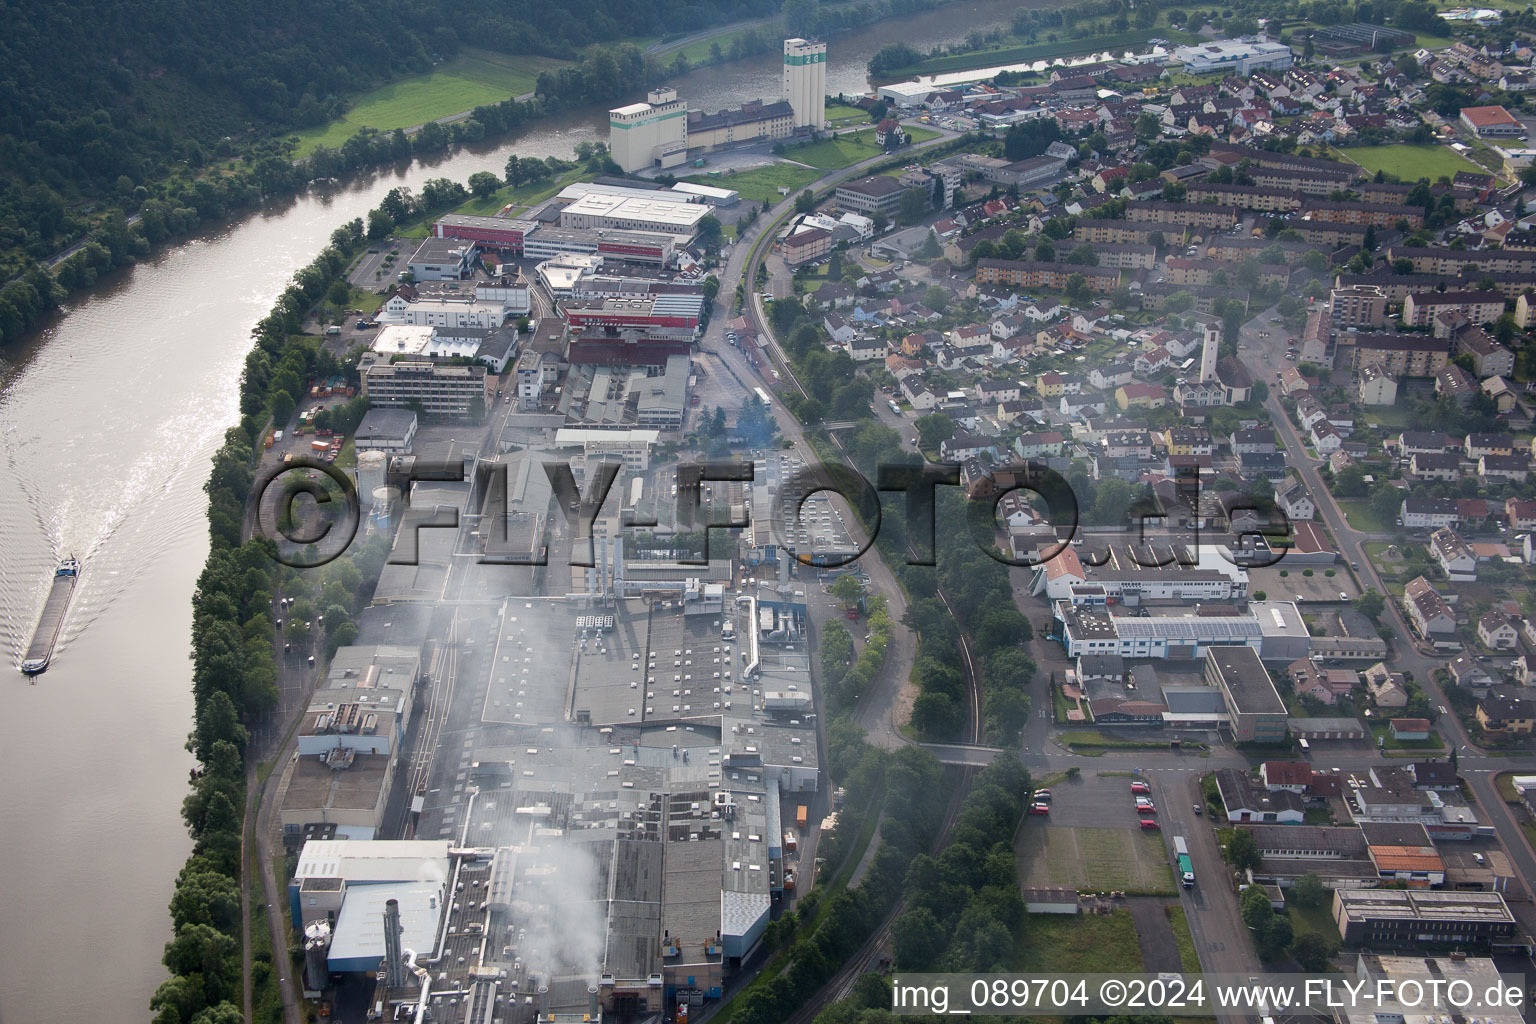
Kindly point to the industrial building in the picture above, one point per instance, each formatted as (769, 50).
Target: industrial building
(549, 242)
(1256, 712)
(442, 259)
(451, 392)
(660, 317)
(649, 134)
(1233, 57)
(1397, 918)
(805, 82)
(1130, 574)
(750, 122)
(1274, 629)
(628, 213)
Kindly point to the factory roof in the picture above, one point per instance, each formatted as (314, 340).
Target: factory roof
(359, 933)
(1246, 680)
(380, 860)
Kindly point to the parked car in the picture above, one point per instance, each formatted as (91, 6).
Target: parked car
(1039, 808)
(1042, 796)
(1199, 810)
(1150, 824)
(1140, 787)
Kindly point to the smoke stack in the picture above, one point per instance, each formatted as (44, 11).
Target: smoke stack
(394, 963)
(543, 1001)
(593, 1013)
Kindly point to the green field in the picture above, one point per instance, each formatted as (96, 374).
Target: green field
(1078, 943)
(837, 112)
(1189, 957)
(1039, 51)
(1410, 163)
(1095, 859)
(761, 183)
(848, 148)
(699, 52)
(1362, 518)
(461, 84)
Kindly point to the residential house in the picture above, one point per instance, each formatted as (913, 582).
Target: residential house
(1292, 498)
(1428, 611)
(1501, 713)
(1454, 555)
(1387, 689)
(1496, 631)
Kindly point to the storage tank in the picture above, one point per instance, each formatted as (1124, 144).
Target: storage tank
(370, 475)
(317, 948)
(385, 499)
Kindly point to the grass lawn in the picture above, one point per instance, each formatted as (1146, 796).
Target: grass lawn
(1318, 920)
(1381, 731)
(838, 112)
(848, 148)
(1189, 958)
(1409, 163)
(1091, 740)
(1506, 786)
(761, 183)
(463, 83)
(529, 194)
(1361, 517)
(699, 51)
(1101, 943)
(1095, 859)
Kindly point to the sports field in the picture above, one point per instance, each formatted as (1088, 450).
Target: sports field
(1410, 163)
(463, 83)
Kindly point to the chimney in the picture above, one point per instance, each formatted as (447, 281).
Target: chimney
(394, 963)
(543, 1002)
(594, 1012)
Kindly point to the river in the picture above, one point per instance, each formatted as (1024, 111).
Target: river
(108, 422)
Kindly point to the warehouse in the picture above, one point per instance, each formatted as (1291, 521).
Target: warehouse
(1255, 711)
(549, 242)
(1393, 918)
(621, 213)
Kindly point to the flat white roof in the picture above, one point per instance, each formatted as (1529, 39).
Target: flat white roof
(632, 108)
(375, 860)
(410, 339)
(659, 211)
(708, 191)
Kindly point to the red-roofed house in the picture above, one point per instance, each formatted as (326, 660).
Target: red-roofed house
(1060, 575)
(1291, 776)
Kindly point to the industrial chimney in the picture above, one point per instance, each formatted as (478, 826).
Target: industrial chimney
(394, 964)
(594, 1012)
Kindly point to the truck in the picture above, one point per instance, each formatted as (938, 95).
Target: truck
(1185, 865)
(791, 843)
(801, 817)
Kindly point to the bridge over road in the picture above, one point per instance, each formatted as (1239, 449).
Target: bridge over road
(963, 753)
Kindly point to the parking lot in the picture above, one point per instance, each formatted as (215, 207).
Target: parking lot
(1092, 840)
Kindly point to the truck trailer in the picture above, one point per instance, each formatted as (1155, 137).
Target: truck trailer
(1182, 861)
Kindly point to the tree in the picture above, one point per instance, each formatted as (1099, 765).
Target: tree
(206, 897)
(805, 202)
(483, 183)
(1309, 892)
(936, 298)
(918, 938)
(848, 590)
(1083, 255)
(1314, 950)
(1077, 289)
(710, 232)
(930, 249)
(914, 206)
(1243, 850)
(1370, 604)
(934, 428)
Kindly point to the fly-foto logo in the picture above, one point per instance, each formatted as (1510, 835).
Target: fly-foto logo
(310, 511)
